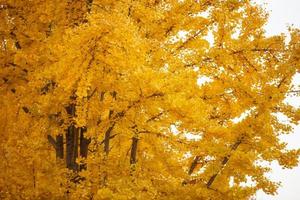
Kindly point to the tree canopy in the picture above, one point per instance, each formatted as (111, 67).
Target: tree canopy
(142, 99)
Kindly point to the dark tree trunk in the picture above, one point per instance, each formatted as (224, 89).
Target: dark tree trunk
(72, 148)
(58, 145)
(84, 143)
(72, 141)
(75, 141)
(107, 138)
(133, 152)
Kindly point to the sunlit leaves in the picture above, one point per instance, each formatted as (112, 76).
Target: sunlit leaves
(123, 71)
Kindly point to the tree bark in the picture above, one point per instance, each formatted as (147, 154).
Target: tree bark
(72, 142)
(84, 143)
(107, 138)
(58, 145)
(133, 152)
(72, 148)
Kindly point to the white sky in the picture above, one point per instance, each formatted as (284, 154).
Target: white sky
(282, 14)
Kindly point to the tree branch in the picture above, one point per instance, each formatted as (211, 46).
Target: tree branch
(52, 141)
(224, 162)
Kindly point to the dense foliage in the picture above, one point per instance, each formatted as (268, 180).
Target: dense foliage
(106, 100)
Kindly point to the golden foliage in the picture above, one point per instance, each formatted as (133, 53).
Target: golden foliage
(102, 100)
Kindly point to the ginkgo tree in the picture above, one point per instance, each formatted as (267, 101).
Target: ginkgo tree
(104, 99)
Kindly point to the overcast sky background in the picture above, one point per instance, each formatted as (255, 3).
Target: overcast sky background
(282, 14)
